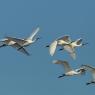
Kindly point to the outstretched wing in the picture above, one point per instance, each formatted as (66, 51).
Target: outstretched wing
(53, 48)
(23, 50)
(88, 67)
(65, 64)
(70, 50)
(91, 69)
(19, 41)
(34, 33)
(65, 38)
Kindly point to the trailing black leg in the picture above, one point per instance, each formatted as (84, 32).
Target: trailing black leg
(19, 48)
(3, 45)
(61, 76)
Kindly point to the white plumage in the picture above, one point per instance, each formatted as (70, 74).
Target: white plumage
(68, 70)
(19, 44)
(70, 48)
(58, 42)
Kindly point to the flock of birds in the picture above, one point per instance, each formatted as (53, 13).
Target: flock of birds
(64, 42)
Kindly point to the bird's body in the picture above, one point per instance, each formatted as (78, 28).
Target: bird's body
(71, 73)
(68, 70)
(62, 42)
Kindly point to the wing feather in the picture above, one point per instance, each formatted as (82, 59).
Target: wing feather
(23, 50)
(70, 50)
(65, 64)
(17, 40)
(53, 48)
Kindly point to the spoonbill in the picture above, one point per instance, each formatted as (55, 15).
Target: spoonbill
(68, 70)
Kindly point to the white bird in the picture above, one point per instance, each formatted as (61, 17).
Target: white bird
(67, 44)
(68, 70)
(58, 42)
(19, 44)
(92, 71)
(27, 41)
(70, 48)
(7, 42)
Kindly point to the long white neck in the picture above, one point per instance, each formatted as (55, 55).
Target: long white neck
(34, 40)
(31, 37)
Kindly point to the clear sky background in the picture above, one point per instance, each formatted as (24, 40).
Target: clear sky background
(35, 74)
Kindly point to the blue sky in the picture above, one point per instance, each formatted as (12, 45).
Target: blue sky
(36, 75)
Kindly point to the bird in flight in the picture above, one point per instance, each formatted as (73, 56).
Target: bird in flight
(92, 71)
(68, 70)
(6, 42)
(66, 44)
(18, 43)
(58, 42)
(70, 48)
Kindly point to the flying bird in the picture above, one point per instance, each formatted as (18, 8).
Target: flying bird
(68, 70)
(18, 43)
(6, 42)
(27, 41)
(66, 44)
(58, 42)
(70, 48)
(92, 71)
